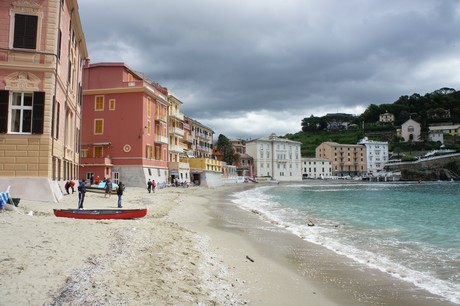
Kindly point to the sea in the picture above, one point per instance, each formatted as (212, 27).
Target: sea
(410, 230)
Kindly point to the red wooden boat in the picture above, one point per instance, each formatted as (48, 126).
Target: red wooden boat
(99, 214)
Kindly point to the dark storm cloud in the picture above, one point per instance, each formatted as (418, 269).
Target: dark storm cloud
(273, 63)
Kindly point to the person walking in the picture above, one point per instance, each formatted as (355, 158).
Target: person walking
(81, 193)
(120, 189)
(153, 186)
(149, 186)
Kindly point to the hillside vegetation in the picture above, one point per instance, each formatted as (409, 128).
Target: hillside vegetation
(439, 107)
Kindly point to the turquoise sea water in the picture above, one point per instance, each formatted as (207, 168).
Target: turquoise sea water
(409, 230)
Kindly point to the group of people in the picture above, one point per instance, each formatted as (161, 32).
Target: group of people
(108, 190)
(151, 186)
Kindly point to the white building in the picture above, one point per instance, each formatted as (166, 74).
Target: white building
(436, 136)
(410, 131)
(376, 155)
(275, 157)
(316, 168)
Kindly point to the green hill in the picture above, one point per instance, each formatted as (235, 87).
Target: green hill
(440, 106)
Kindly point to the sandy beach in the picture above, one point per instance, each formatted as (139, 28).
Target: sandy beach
(192, 248)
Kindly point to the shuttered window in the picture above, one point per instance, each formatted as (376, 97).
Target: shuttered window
(4, 95)
(25, 31)
(98, 126)
(25, 114)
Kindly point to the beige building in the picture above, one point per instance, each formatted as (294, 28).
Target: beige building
(452, 129)
(42, 52)
(201, 139)
(386, 118)
(178, 170)
(347, 159)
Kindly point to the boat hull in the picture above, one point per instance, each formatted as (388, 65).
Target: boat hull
(99, 214)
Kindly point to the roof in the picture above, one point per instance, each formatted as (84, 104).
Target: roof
(444, 127)
(274, 138)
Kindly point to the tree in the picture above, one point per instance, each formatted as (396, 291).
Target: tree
(225, 147)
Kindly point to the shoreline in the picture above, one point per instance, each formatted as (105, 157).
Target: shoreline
(335, 279)
(193, 247)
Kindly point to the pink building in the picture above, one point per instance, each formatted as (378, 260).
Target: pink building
(42, 49)
(125, 126)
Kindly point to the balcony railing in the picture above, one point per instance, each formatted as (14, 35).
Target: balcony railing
(177, 131)
(160, 117)
(96, 161)
(176, 148)
(161, 139)
(177, 115)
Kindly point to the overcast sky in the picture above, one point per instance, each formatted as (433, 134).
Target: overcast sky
(250, 68)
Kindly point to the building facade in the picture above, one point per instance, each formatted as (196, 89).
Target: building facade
(411, 131)
(275, 157)
(125, 119)
(376, 155)
(347, 159)
(178, 171)
(386, 118)
(42, 52)
(316, 168)
(202, 139)
(451, 129)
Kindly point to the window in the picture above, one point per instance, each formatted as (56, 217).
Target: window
(149, 152)
(149, 127)
(21, 113)
(98, 126)
(149, 107)
(99, 103)
(25, 31)
(98, 151)
(112, 104)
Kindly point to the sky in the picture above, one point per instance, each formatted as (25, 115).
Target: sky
(247, 69)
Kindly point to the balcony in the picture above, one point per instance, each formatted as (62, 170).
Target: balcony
(162, 118)
(176, 131)
(176, 149)
(96, 161)
(177, 115)
(188, 138)
(178, 166)
(161, 139)
(204, 136)
(204, 149)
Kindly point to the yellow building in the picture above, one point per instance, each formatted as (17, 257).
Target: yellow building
(42, 52)
(205, 171)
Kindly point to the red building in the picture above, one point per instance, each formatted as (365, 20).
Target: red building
(125, 125)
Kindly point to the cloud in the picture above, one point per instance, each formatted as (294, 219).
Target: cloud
(249, 69)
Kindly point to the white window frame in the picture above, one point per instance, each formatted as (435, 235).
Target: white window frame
(22, 108)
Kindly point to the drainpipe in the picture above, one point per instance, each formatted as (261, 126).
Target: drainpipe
(55, 82)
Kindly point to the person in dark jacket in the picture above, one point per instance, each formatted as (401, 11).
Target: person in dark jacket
(120, 189)
(81, 193)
